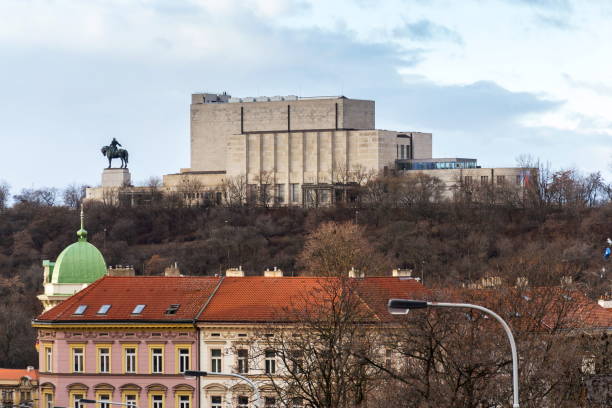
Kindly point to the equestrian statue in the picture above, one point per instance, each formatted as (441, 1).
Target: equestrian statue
(113, 152)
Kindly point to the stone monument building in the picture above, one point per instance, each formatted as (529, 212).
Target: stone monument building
(300, 150)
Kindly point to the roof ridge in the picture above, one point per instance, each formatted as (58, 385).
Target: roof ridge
(213, 293)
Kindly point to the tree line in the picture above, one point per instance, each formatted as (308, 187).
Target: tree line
(553, 230)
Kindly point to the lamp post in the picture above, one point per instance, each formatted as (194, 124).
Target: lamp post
(403, 306)
(90, 401)
(196, 373)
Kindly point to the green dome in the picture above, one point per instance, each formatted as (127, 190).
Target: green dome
(80, 262)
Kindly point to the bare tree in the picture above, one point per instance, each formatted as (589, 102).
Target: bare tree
(191, 189)
(316, 356)
(335, 248)
(45, 196)
(5, 191)
(73, 195)
(235, 190)
(461, 359)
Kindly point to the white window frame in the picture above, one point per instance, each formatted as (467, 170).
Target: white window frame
(157, 360)
(184, 401)
(130, 360)
(105, 360)
(78, 360)
(183, 356)
(216, 362)
(270, 362)
(214, 404)
(157, 401)
(49, 358)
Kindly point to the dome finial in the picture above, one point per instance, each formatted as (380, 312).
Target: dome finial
(82, 233)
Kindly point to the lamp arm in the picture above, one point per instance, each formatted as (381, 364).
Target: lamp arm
(515, 383)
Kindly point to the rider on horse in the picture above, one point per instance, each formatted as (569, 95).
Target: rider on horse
(113, 145)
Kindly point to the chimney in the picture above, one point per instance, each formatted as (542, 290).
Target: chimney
(234, 272)
(274, 273)
(605, 301)
(522, 282)
(120, 270)
(354, 273)
(172, 270)
(402, 272)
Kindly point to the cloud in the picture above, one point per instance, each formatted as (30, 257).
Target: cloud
(130, 72)
(479, 106)
(595, 87)
(425, 30)
(562, 5)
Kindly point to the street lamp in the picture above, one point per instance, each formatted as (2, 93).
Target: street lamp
(90, 401)
(403, 306)
(196, 373)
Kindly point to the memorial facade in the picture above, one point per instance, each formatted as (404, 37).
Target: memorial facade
(298, 151)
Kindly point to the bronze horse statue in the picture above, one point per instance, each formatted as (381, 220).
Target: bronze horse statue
(115, 153)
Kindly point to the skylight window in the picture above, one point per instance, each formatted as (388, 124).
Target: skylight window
(172, 309)
(138, 309)
(80, 310)
(104, 309)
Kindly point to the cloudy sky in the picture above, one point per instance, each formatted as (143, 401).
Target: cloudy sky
(492, 79)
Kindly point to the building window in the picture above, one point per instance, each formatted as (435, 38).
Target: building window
(402, 152)
(183, 359)
(184, 401)
(297, 361)
(501, 179)
(269, 402)
(519, 179)
(78, 360)
(130, 360)
(408, 156)
(468, 179)
(130, 400)
(270, 362)
(252, 192)
(243, 401)
(157, 401)
(324, 196)
(103, 398)
(104, 360)
(215, 401)
(75, 400)
(294, 192)
(279, 193)
(48, 400)
(243, 361)
(297, 402)
(49, 359)
(388, 359)
(215, 360)
(484, 180)
(157, 360)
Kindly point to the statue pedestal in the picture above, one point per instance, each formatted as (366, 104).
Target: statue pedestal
(116, 178)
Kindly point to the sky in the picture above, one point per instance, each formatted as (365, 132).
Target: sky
(491, 79)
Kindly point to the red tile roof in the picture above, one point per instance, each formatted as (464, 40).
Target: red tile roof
(262, 299)
(230, 299)
(265, 299)
(7, 374)
(124, 293)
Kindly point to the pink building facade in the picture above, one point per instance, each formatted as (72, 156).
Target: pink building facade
(105, 344)
(137, 367)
